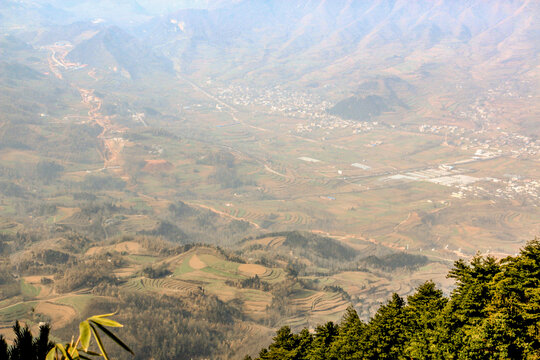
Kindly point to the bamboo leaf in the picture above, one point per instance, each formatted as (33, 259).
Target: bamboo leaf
(102, 315)
(51, 354)
(63, 351)
(84, 329)
(114, 338)
(92, 353)
(106, 322)
(100, 344)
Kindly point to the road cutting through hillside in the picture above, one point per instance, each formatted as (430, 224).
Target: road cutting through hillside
(219, 212)
(112, 145)
(57, 59)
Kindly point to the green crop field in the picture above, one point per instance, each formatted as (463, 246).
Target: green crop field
(17, 311)
(79, 302)
(29, 290)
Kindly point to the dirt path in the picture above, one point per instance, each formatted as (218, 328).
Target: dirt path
(223, 213)
(57, 59)
(112, 145)
(267, 168)
(396, 227)
(232, 111)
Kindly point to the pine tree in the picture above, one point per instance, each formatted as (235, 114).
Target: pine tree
(422, 314)
(25, 346)
(512, 330)
(3, 348)
(285, 346)
(385, 335)
(347, 342)
(324, 336)
(493, 313)
(467, 306)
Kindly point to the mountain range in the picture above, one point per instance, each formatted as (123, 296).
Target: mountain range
(307, 40)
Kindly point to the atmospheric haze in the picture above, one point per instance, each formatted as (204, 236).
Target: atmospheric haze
(219, 169)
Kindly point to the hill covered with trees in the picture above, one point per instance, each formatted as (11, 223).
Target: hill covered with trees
(492, 313)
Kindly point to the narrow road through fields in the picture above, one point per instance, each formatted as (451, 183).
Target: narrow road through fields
(232, 111)
(112, 145)
(223, 213)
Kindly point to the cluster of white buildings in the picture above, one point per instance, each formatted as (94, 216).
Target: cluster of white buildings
(291, 104)
(486, 144)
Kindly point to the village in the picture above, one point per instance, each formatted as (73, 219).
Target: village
(485, 143)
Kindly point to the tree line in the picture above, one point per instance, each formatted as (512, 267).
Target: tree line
(493, 313)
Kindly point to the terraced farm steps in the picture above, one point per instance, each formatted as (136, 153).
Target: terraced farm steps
(7, 224)
(256, 306)
(14, 312)
(271, 274)
(169, 284)
(276, 241)
(331, 304)
(267, 242)
(321, 303)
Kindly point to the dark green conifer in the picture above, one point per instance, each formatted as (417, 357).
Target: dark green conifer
(493, 313)
(347, 342)
(421, 314)
(385, 336)
(323, 338)
(25, 346)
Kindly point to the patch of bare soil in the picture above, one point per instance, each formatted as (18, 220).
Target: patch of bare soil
(61, 315)
(130, 247)
(35, 280)
(252, 269)
(157, 166)
(196, 263)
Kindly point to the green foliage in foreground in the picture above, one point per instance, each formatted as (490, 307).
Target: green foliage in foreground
(88, 329)
(26, 347)
(493, 313)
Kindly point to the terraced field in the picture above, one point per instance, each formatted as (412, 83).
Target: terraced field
(130, 247)
(60, 315)
(270, 242)
(319, 305)
(245, 214)
(272, 275)
(329, 304)
(17, 311)
(321, 302)
(168, 285)
(183, 268)
(42, 304)
(6, 225)
(296, 219)
(256, 302)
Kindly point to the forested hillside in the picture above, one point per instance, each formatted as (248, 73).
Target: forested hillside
(493, 313)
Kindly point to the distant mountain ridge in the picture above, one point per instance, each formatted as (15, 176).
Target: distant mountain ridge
(327, 38)
(302, 41)
(114, 48)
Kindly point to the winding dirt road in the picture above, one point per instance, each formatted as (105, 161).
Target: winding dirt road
(112, 145)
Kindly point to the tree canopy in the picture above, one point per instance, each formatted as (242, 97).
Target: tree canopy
(493, 313)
